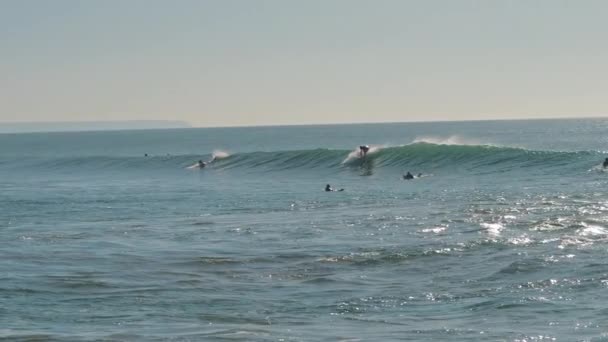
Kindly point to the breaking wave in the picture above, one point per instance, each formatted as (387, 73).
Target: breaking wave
(419, 154)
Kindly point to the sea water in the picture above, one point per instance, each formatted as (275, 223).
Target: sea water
(504, 237)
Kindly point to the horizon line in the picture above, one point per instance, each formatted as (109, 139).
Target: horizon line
(604, 116)
(192, 126)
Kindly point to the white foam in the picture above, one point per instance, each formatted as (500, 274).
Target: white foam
(591, 230)
(451, 140)
(217, 154)
(574, 241)
(521, 240)
(435, 230)
(493, 229)
(598, 168)
(194, 166)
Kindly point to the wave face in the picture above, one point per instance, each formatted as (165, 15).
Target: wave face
(420, 155)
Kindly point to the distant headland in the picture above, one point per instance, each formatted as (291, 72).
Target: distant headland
(74, 126)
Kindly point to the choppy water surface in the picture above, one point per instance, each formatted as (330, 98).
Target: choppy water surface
(504, 237)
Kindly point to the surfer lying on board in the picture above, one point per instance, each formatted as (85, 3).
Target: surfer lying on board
(201, 164)
(408, 176)
(363, 149)
(605, 163)
(329, 188)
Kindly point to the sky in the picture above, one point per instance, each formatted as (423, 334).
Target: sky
(276, 62)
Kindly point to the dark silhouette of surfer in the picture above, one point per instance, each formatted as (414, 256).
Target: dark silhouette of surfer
(363, 149)
(408, 176)
(328, 188)
(201, 164)
(605, 164)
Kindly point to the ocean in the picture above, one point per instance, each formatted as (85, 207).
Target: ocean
(503, 237)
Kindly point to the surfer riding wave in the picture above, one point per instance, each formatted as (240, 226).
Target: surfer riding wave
(203, 164)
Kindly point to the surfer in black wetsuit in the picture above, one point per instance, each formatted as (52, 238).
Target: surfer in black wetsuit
(363, 149)
(328, 188)
(605, 163)
(201, 164)
(408, 176)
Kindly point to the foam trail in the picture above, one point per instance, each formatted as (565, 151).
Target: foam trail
(598, 168)
(193, 166)
(451, 140)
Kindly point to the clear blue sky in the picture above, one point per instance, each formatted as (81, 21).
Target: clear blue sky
(255, 62)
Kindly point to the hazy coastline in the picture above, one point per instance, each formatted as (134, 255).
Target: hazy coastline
(72, 126)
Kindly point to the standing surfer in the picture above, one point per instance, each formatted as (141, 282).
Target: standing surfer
(363, 149)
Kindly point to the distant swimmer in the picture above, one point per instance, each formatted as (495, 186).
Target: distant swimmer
(328, 188)
(605, 163)
(408, 176)
(201, 164)
(363, 149)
